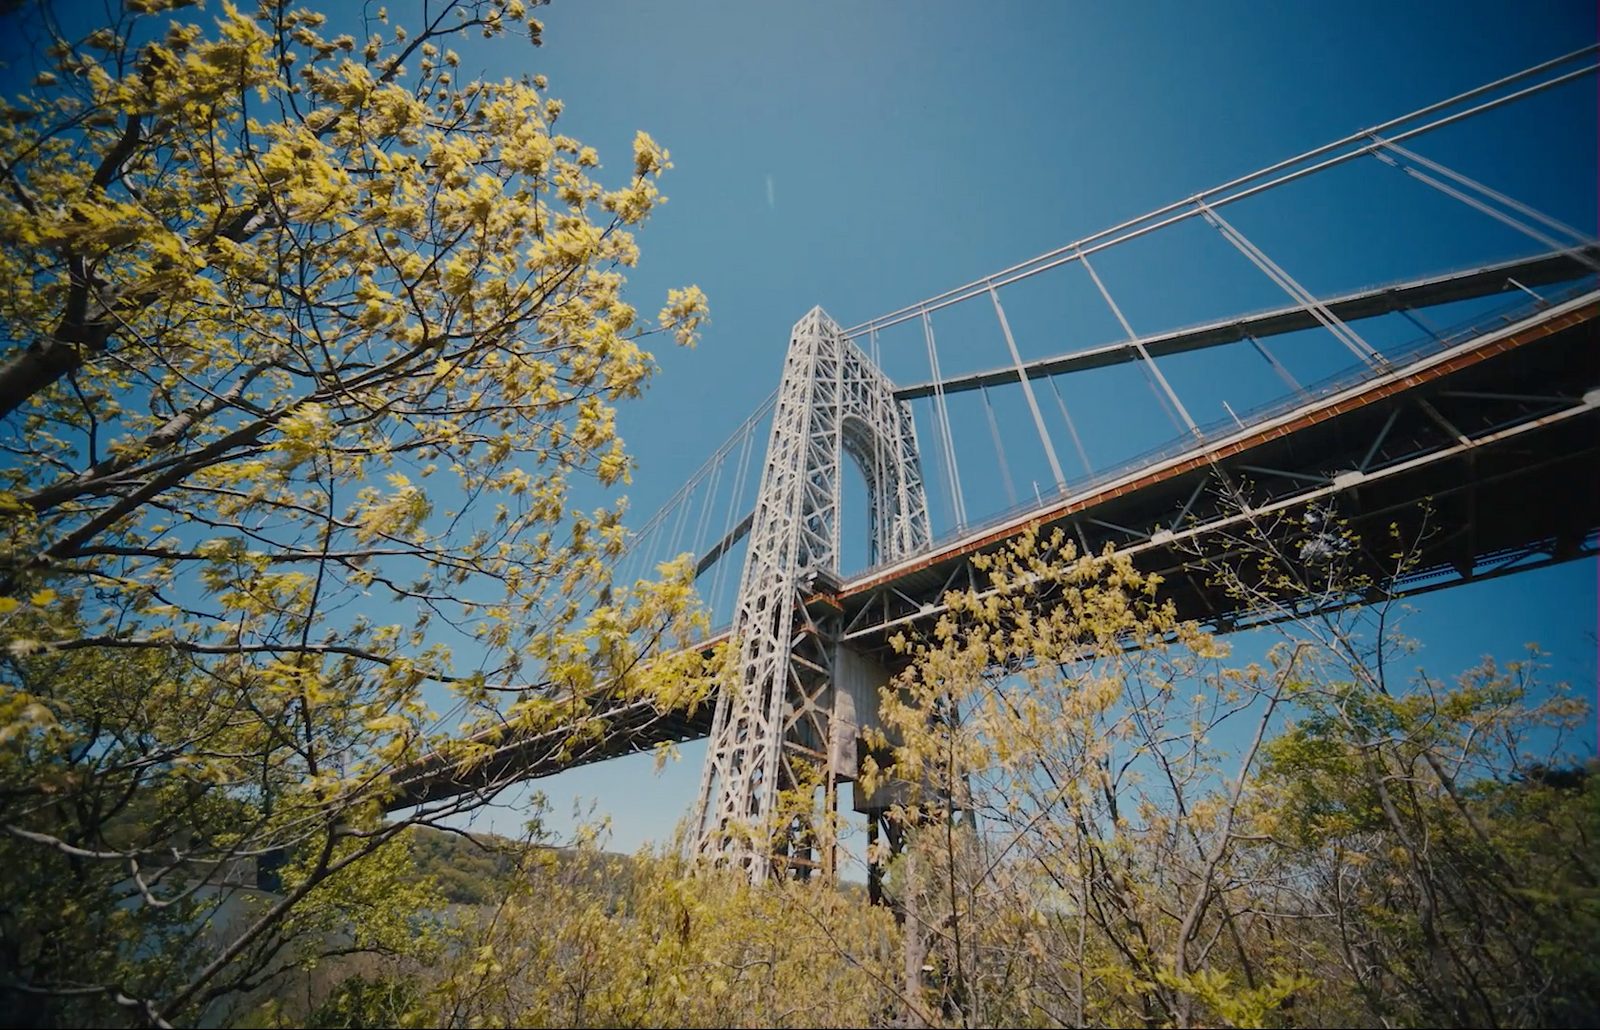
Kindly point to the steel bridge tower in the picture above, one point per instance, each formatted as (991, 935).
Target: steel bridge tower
(793, 720)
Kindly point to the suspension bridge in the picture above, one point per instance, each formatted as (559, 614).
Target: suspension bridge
(1465, 397)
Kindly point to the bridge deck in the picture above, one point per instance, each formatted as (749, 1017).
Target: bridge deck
(1491, 431)
(1498, 432)
(1517, 277)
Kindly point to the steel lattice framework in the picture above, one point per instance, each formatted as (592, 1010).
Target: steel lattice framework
(790, 723)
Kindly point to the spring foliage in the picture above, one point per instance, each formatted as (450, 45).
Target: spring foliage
(310, 337)
(1111, 823)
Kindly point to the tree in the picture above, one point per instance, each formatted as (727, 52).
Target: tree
(1074, 716)
(1421, 834)
(311, 339)
(1108, 822)
(589, 939)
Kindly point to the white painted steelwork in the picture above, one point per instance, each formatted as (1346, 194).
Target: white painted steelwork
(832, 402)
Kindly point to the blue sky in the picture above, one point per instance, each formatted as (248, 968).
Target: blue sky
(862, 156)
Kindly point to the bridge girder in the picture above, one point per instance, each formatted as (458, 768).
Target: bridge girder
(1498, 431)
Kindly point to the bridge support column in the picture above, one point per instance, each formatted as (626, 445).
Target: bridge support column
(774, 738)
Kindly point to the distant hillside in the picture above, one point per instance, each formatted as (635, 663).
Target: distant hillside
(468, 867)
(472, 869)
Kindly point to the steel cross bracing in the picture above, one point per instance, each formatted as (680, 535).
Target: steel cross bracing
(785, 726)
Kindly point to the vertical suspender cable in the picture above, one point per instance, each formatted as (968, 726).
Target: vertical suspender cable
(1149, 363)
(944, 422)
(637, 560)
(880, 504)
(677, 528)
(734, 499)
(1341, 332)
(1161, 398)
(629, 563)
(1499, 216)
(1493, 194)
(942, 464)
(1027, 390)
(705, 508)
(1083, 455)
(1283, 373)
(999, 449)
